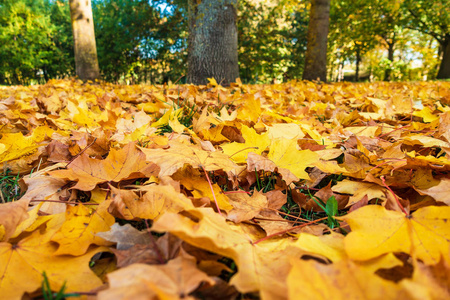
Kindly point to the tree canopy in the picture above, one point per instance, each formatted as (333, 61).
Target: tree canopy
(146, 41)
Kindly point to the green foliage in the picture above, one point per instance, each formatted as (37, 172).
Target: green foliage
(146, 41)
(30, 47)
(272, 39)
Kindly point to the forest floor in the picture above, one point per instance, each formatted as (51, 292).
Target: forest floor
(252, 191)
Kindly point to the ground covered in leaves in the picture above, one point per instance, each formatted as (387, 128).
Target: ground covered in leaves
(298, 190)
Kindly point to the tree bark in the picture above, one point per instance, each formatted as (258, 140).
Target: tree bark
(358, 61)
(212, 49)
(444, 68)
(316, 49)
(388, 72)
(86, 63)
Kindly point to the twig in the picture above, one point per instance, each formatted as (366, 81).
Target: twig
(287, 230)
(65, 202)
(81, 152)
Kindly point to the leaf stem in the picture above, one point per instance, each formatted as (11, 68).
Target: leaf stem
(395, 196)
(212, 191)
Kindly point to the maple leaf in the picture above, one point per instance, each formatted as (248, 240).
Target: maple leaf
(285, 155)
(246, 207)
(80, 227)
(177, 278)
(425, 234)
(439, 192)
(207, 230)
(359, 189)
(178, 154)
(342, 280)
(11, 215)
(155, 202)
(126, 163)
(199, 187)
(253, 143)
(22, 265)
(15, 145)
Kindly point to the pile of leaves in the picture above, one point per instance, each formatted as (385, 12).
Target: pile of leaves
(297, 190)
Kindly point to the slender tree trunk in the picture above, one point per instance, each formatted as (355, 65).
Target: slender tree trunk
(86, 63)
(316, 51)
(444, 68)
(212, 48)
(358, 61)
(388, 72)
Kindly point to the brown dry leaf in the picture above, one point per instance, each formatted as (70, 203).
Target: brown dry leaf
(246, 207)
(126, 163)
(175, 280)
(125, 236)
(152, 252)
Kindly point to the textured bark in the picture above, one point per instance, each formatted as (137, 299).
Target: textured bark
(212, 48)
(316, 49)
(86, 63)
(444, 69)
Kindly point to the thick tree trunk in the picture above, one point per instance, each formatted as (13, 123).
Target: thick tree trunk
(388, 72)
(86, 63)
(316, 51)
(444, 68)
(212, 48)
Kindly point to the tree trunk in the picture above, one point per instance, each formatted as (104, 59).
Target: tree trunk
(444, 68)
(388, 72)
(212, 51)
(358, 61)
(316, 50)
(86, 63)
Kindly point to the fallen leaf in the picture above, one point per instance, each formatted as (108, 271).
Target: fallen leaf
(376, 231)
(126, 163)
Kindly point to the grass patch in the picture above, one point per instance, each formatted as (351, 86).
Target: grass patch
(9, 187)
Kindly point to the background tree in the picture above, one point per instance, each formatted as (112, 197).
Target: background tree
(86, 63)
(316, 51)
(31, 44)
(432, 18)
(212, 41)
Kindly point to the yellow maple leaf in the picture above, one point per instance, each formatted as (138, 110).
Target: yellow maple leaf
(343, 280)
(425, 234)
(15, 145)
(78, 231)
(22, 265)
(253, 143)
(178, 154)
(285, 155)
